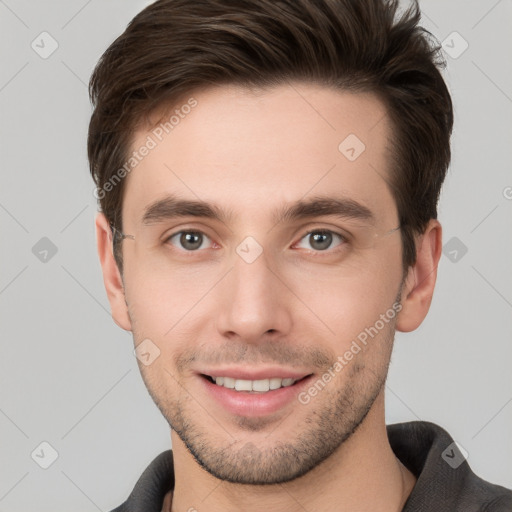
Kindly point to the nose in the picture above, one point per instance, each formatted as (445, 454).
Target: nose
(253, 303)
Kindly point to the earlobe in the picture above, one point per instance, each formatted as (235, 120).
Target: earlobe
(419, 284)
(111, 275)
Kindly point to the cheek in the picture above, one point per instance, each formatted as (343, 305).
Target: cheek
(164, 302)
(337, 300)
(348, 309)
(346, 299)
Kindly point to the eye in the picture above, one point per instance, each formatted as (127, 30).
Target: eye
(188, 240)
(320, 239)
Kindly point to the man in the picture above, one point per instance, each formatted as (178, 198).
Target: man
(268, 176)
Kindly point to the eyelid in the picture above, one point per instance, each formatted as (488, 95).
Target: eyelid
(344, 239)
(167, 238)
(187, 229)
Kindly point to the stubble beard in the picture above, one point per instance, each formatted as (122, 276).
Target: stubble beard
(332, 419)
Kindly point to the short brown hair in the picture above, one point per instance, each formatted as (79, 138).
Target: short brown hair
(174, 47)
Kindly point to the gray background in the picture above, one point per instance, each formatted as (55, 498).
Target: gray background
(67, 373)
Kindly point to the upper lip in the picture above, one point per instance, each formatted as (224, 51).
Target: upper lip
(254, 373)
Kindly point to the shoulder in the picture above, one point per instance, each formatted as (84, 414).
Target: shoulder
(152, 486)
(445, 480)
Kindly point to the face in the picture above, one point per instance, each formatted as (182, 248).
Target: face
(291, 257)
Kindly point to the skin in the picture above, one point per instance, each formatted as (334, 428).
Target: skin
(250, 151)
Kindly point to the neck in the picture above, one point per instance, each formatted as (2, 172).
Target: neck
(363, 474)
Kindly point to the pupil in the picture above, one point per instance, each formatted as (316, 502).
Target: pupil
(323, 240)
(191, 240)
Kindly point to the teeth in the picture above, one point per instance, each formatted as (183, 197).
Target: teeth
(275, 383)
(261, 386)
(228, 382)
(243, 385)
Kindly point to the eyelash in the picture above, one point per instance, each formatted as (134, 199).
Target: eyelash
(343, 240)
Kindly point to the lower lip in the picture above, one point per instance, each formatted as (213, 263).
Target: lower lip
(244, 403)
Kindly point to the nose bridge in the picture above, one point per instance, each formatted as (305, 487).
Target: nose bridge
(252, 300)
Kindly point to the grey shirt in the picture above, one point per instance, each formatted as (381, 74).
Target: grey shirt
(445, 481)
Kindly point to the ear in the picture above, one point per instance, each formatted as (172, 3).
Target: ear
(421, 278)
(111, 275)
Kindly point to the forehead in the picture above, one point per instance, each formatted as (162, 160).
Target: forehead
(252, 151)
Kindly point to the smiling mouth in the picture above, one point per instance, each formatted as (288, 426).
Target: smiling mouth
(253, 386)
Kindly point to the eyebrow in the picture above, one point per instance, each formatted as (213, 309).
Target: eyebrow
(171, 207)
